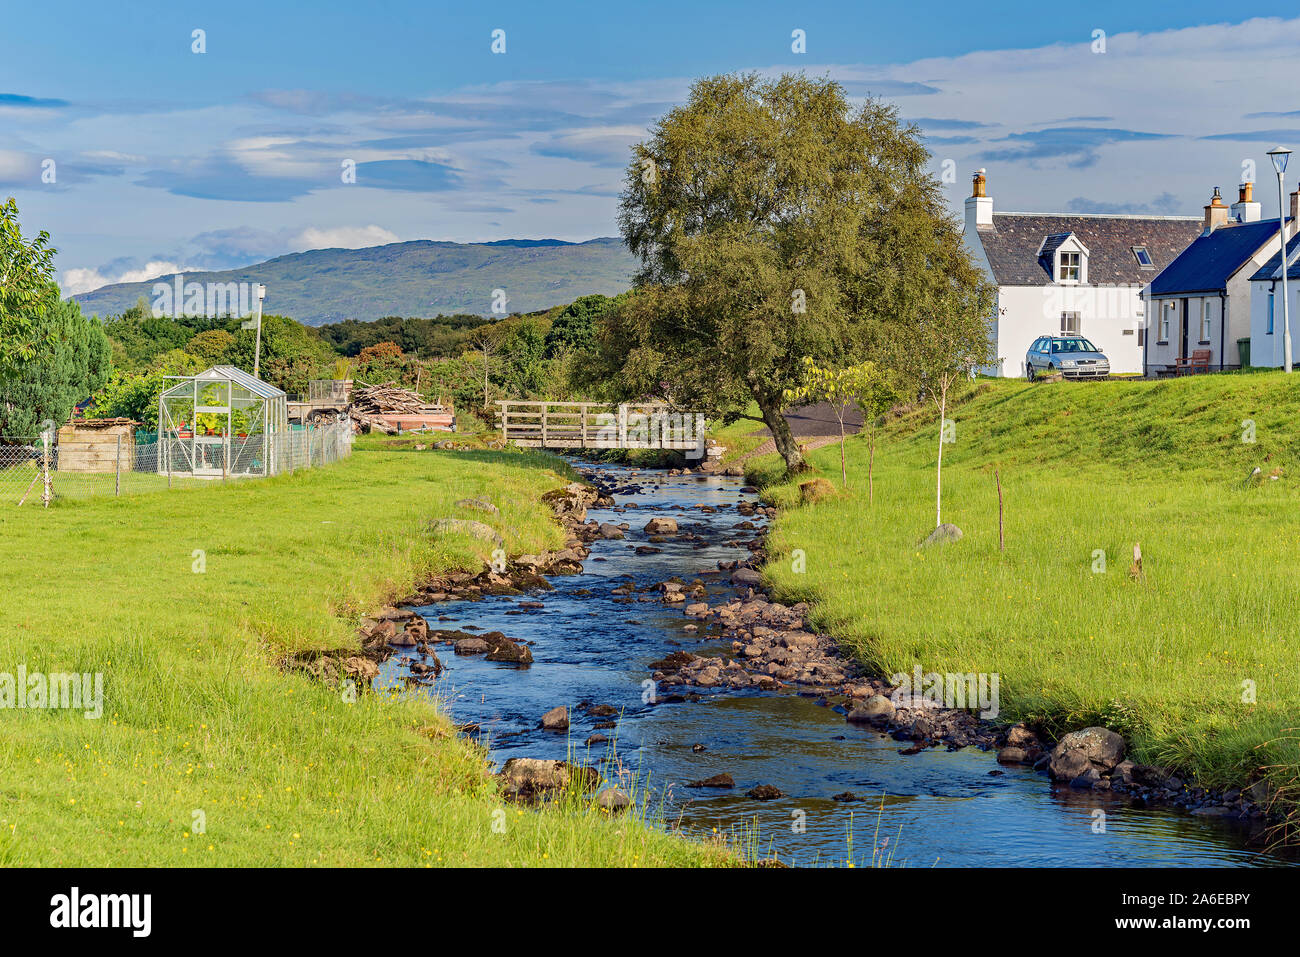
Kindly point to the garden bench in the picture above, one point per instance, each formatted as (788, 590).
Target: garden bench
(1199, 361)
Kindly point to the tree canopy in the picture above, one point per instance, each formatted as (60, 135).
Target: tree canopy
(773, 221)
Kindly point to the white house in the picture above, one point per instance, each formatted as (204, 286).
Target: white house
(1266, 317)
(1070, 273)
(1201, 302)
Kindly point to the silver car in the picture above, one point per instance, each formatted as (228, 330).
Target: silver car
(1073, 356)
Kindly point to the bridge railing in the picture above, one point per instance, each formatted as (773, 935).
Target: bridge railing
(592, 425)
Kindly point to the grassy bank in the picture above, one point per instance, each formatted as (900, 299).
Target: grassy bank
(1170, 660)
(184, 601)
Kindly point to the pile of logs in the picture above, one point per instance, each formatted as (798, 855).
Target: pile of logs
(382, 408)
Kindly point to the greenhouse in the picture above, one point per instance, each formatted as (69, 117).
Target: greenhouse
(223, 423)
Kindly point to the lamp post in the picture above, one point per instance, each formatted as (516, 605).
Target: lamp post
(1279, 155)
(261, 294)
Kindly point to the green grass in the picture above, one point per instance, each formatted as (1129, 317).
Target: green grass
(1084, 467)
(200, 722)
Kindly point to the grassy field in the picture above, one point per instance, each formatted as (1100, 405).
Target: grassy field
(184, 600)
(1198, 662)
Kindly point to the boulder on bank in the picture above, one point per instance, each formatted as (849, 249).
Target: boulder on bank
(478, 505)
(814, 490)
(874, 709)
(524, 777)
(1079, 751)
(613, 800)
(943, 534)
(746, 576)
(462, 526)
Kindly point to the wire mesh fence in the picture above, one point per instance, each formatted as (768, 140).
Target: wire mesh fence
(69, 465)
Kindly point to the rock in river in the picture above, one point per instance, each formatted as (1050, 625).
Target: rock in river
(723, 780)
(661, 526)
(557, 719)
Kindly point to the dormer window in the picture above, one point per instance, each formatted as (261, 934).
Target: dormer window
(1064, 258)
(1143, 256)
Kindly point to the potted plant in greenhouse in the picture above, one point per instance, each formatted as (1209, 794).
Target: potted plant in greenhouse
(239, 422)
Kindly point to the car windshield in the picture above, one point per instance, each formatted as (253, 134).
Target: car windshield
(1073, 345)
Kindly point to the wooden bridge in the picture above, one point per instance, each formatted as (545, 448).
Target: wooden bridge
(591, 425)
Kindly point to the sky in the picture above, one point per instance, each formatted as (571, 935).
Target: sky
(142, 156)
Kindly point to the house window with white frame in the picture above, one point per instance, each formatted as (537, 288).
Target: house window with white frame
(1069, 323)
(1070, 267)
(1270, 314)
(1205, 321)
(1166, 318)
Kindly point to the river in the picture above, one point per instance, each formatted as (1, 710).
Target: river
(954, 808)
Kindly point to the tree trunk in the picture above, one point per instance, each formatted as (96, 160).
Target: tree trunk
(938, 468)
(770, 407)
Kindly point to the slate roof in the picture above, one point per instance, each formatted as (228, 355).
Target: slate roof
(1266, 271)
(1013, 242)
(1209, 262)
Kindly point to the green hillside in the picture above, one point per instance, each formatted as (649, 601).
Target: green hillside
(421, 278)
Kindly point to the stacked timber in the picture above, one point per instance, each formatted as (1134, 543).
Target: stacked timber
(97, 445)
(391, 409)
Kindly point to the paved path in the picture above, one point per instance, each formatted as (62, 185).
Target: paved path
(813, 426)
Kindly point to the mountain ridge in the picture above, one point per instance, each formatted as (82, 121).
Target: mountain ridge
(416, 278)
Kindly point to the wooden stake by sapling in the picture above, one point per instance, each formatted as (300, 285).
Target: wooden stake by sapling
(1135, 570)
(1002, 542)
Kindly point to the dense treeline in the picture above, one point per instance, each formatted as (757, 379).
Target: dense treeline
(466, 360)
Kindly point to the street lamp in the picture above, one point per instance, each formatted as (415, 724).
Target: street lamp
(261, 294)
(1279, 155)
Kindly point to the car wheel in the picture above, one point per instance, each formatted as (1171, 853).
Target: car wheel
(1029, 372)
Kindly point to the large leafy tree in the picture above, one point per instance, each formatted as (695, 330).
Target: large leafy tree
(26, 290)
(70, 362)
(772, 221)
(573, 328)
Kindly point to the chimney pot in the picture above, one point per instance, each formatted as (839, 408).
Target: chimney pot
(1216, 214)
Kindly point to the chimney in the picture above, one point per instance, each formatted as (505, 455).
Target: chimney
(1245, 209)
(1216, 214)
(1295, 212)
(979, 205)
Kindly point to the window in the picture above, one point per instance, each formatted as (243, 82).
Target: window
(1205, 321)
(1069, 271)
(1270, 313)
(1142, 336)
(1143, 256)
(1070, 323)
(1166, 317)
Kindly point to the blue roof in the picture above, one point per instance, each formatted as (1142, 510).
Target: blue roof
(1267, 270)
(1209, 262)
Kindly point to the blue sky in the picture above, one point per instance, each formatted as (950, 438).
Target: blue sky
(164, 158)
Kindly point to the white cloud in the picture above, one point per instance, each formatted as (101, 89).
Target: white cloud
(343, 237)
(77, 281)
